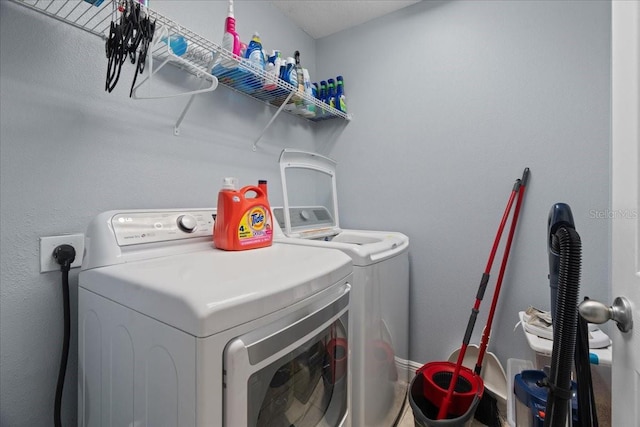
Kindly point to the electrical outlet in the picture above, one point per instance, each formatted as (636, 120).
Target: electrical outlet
(48, 245)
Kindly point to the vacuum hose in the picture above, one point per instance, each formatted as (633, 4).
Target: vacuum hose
(566, 242)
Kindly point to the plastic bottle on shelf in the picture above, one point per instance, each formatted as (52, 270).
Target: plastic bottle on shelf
(272, 69)
(315, 92)
(249, 78)
(230, 38)
(289, 72)
(290, 76)
(341, 102)
(331, 94)
(254, 52)
(297, 98)
(309, 108)
(299, 72)
(323, 96)
(177, 43)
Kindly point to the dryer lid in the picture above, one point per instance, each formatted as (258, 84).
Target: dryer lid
(309, 192)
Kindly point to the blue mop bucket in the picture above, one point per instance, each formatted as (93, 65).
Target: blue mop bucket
(426, 412)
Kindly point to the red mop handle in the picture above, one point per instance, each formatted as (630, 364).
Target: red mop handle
(486, 333)
(503, 222)
(444, 406)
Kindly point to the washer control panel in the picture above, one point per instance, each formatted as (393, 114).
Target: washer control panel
(133, 228)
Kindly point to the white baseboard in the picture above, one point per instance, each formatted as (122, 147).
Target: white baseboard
(407, 367)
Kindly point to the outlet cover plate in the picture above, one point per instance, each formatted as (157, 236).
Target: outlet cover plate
(49, 243)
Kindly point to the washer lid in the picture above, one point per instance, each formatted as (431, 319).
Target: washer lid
(309, 192)
(365, 247)
(205, 292)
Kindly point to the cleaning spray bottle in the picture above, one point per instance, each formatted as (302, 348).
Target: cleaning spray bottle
(242, 222)
(288, 72)
(272, 69)
(341, 102)
(230, 38)
(308, 108)
(323, 96)
(331, 94)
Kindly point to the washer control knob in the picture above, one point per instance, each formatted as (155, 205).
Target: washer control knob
(305, 215)
(187, 223)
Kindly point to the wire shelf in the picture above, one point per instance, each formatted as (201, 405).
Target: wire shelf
(202, 58)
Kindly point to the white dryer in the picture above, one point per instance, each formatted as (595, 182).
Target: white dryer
(173, 332)
(379, 307)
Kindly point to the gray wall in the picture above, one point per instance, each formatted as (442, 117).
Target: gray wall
(69, 151)
(451, 100)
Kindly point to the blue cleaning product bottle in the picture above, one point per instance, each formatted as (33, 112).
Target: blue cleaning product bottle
(272, 68)
(289, 74)
(331, 94)
(256, 63)
(323, 96)
(341, 102)
(323, 92)
(254, 52)
(177, 43)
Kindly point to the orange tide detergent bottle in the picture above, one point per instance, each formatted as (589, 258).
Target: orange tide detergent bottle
(242, 222)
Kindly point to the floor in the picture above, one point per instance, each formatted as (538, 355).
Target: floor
(407, 419)
(603, 401)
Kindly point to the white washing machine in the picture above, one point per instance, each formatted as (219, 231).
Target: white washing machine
(379, 308)
(173, 332)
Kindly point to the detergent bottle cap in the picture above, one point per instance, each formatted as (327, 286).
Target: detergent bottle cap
(229, 183)
(262, 184)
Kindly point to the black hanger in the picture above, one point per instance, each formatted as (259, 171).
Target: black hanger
(115, 48)
(130, 36)
(147, 30)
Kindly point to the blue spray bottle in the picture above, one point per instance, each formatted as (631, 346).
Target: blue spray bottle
(331, 93)
(341, 103)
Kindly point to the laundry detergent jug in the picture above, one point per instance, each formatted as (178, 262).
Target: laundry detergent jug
(242, 222)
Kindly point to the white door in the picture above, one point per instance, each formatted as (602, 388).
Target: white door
(625, 223)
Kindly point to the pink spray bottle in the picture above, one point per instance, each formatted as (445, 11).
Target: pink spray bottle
(231, 39)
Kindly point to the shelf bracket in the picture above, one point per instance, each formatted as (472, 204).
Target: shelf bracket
(255, 144)
(176, 128)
